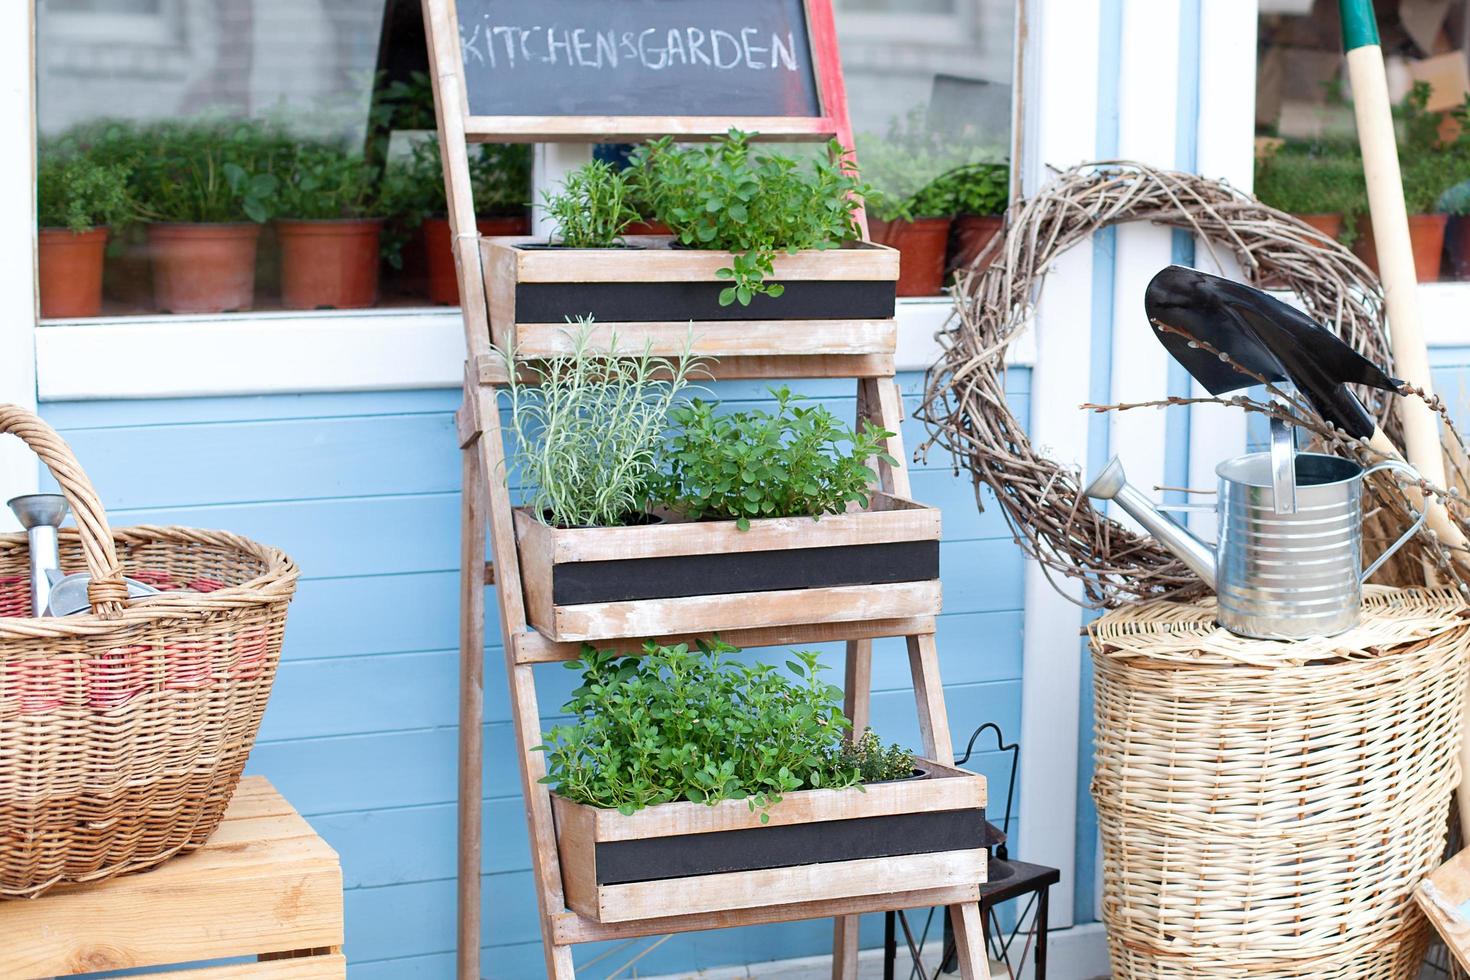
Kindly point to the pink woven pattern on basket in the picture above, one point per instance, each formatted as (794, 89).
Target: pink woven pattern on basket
(124, 731)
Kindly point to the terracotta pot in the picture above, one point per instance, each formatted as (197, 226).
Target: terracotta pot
(1330, 225)
(71, 271)
(443, 284)
(1426, 236)
(968, 238)
(329, 264)
(648, 228)
(921, 244)
(203, 268)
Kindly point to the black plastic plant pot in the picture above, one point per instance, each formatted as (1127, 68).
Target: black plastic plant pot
(836, 301)
(819, 845)
(698, 577)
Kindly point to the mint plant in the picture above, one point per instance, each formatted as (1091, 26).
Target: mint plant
(786, 463)
(225, 171)
(725, 196)
(588, 426)
(697, 725)
(593, 206)
(323, 181)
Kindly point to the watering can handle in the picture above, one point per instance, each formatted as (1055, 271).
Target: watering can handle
(1401, 467)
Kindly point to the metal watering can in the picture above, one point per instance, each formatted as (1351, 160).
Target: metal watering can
(1288, 562)
(1277, 575)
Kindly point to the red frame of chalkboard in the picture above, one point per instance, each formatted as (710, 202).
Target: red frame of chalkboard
(831, 92)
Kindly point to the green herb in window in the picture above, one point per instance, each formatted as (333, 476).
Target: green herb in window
(593, 206)
(322, 182)
(697, 725)
(210, 171)
(588, 426)
(725, 196)
(413, 188)
(79, 194)
(786, 463)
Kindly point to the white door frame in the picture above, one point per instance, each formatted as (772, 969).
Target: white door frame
(19, 470)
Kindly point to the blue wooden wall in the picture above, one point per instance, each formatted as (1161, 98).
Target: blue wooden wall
(362, 490)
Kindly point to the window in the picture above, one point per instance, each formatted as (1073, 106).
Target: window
(209, 111)
(1307, 158)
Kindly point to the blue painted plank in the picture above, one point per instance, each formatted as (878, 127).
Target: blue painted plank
(247, 408)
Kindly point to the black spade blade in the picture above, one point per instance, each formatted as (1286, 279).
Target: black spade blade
(1264, 336)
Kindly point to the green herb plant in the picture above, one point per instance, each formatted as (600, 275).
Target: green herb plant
(325, 181)
(593, 207)
(724, 196)
(784, 463)
(209, 171)
(875, 762)
(697, 725)
(79, 194)
(916, 171)
(973, 188)
(413, 188)
(1313, 180)
(588, 426)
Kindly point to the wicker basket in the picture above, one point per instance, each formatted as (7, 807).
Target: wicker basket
(1267, 808)
(124, 730)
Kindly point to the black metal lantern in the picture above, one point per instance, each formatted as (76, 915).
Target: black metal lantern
(1006, 881)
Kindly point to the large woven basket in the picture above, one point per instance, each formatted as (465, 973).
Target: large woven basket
(123, 731)
(1267, 808)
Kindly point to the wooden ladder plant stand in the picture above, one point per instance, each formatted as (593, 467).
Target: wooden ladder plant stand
(866, 356)
(263, 885)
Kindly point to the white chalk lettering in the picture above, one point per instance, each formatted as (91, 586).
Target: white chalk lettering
(751, 50)
(607, 48)
(581, 45)
(630, 46)
(644, 52)
(471, 46)
(526, 54)
(696, 47)
(504, 33)
(783, 55)
(552, 45)
(714, 40)
(676, 47)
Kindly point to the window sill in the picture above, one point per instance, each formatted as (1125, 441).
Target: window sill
(280, 353)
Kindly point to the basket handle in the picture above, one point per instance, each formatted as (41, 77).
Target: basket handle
(107, 591)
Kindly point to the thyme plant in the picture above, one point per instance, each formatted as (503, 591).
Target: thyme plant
(785, 463)
(697, 725)
(588, 426)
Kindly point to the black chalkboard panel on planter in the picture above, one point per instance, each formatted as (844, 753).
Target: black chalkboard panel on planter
(687, 858)
(698, 577)
(836, 301)
(637, 58)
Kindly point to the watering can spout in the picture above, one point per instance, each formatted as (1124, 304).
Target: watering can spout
(1112, 484)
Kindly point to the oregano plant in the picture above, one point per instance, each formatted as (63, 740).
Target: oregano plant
(789, 462)
(698, 724)
(726, 196)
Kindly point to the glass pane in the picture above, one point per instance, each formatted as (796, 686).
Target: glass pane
(1307, 157)
(288, 129)
(929, 92)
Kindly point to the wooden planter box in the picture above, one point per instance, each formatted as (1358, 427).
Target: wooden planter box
(686, 858)
(837, 301)
(682, 577)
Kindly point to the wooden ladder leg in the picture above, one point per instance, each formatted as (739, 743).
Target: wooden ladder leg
(471, 709)
(545, 862)
(934, 732)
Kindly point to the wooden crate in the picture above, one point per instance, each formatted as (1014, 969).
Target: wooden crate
(264, 885)
(820, 845)
(679, 577)
(836, 301)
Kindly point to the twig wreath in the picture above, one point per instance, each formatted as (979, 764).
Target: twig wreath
(965, 407)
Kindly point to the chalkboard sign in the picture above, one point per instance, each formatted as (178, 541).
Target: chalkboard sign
(750, 58)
